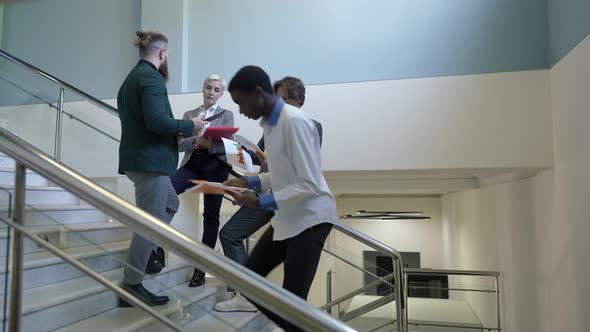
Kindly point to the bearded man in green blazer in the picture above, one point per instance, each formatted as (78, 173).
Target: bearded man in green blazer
(148, 154)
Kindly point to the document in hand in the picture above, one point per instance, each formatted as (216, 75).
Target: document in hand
(248, 144)
(236, 156)
(217, 133)
(213, 188)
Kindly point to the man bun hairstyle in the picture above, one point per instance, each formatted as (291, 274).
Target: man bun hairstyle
(149, 41)
(248, 78)
(293, 86)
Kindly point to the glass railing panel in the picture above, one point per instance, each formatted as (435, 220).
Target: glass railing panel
(94, 117)
(93, 153)
(34, 89)
(6, 210)
(439, 302)
(362, 291)
(369, 265)
(28, 111)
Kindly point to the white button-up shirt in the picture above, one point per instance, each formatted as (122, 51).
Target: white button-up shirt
(300, 193)
(208, 113)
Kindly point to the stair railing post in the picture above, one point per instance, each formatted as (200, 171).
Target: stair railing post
(497, 285)
(329, 290)
(59, 126)
(400, 294)
(17, 251)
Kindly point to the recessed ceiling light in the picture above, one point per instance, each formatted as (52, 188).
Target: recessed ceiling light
(387, 215)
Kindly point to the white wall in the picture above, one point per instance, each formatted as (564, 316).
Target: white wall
(479, 121)
(491, 120)
(565, 292)
(535, 230)
(491, 229)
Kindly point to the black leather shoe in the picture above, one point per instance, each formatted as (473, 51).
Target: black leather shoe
(142, 294)
(156, 262)
(198, 279)
(153, 264)
(161, 257)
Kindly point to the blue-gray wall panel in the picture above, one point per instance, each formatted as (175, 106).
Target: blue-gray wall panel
(569, 23)
(326, 41)
(87, 43)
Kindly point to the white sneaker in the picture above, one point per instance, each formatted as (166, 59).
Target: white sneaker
(236, 303)
(278, 329)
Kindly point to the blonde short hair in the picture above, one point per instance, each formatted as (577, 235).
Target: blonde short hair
(215, 77)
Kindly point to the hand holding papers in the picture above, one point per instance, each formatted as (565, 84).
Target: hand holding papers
(204, 142)
(214, 188)
(236, 156)
(243, 196)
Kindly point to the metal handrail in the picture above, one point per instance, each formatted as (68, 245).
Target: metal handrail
(59, 82)
(452, 272)
(90, 272)
(260, 290)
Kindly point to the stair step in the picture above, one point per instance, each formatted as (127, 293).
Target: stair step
(43, 268)
(45, 258)
(6, 161)
(60, 304)
(79, 227)
(52, 214)
(229, 321)
(185, 305)
(44, 195)
(70, 236)
(32, 178)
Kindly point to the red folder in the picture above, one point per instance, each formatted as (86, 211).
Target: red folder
(216, 133)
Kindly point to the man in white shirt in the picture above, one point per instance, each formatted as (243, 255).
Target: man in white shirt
(246, 221)
(304, 206)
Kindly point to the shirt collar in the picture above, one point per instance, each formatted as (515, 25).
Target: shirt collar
(273, 119)
(149, 63)
(212, 108)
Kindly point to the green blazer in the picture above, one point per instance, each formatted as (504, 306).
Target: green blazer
(149, 132)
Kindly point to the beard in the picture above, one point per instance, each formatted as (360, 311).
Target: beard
(163, 70)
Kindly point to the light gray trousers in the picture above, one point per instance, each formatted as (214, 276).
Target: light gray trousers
(155, 195)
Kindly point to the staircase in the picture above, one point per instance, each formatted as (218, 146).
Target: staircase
(58, 297)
